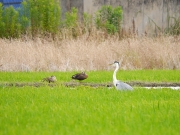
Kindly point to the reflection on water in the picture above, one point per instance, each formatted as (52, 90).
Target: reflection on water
(173, 88)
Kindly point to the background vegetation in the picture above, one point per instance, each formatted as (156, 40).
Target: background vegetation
(34, 17)
(87, 53)
(109, 18)
(43, 18)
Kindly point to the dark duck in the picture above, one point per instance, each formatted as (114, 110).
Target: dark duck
(80, 76)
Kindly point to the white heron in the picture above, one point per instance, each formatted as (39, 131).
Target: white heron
(117, 83)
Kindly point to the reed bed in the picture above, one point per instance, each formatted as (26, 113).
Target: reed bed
(89, 53)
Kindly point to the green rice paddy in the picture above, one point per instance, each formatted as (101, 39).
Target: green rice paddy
(85, 110)
(96, 76)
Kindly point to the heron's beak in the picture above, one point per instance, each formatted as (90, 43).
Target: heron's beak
(111, 64)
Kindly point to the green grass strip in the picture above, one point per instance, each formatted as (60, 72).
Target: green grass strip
(96, 76)
(86, 110)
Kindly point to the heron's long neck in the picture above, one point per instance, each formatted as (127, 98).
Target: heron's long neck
(114, 75)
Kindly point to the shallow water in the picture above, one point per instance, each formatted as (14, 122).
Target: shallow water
(173, 88)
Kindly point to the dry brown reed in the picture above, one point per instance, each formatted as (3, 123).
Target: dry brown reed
(89, 53)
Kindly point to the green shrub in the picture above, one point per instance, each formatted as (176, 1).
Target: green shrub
(71, 23)
(109, 18)
(45, 16)
(87, 22)
(11, 25)
(71, 18)
(173, 29)
(24, 16)
(36, 17)
(2, 25)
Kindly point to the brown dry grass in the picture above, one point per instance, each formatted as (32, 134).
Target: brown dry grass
(89, 53)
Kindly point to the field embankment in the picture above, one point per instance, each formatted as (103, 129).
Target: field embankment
(136, 78)
(89, 54)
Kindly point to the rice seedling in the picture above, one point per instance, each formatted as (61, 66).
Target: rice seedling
(87, 110)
